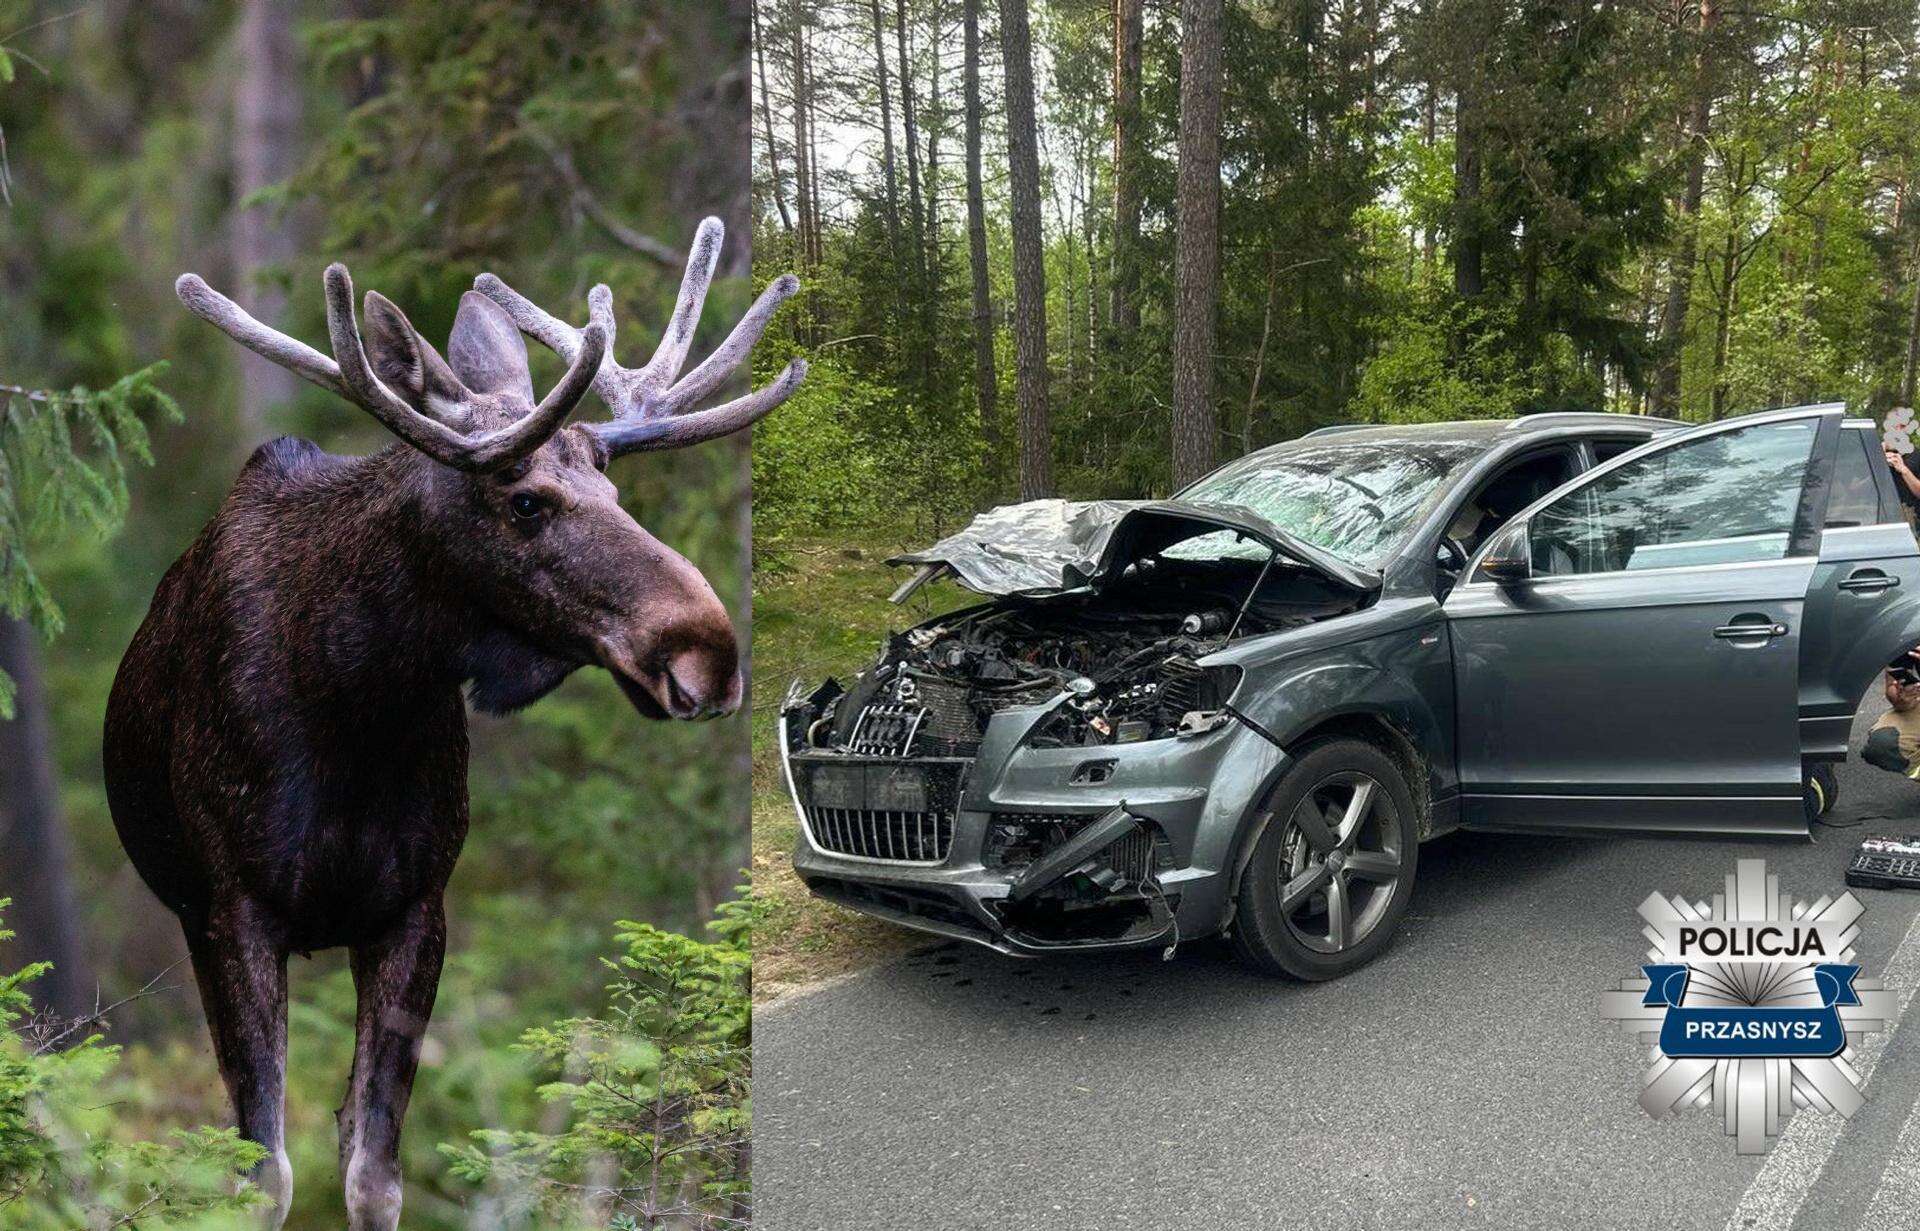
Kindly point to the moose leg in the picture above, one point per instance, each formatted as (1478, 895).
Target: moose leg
(396, 977)
(242, 973)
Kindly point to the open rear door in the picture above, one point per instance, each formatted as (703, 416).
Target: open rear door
(1863, 605)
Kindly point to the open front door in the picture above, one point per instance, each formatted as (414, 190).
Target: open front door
(1639, 668)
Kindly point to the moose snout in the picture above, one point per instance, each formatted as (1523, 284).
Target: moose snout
(687, 669)
(704, 682)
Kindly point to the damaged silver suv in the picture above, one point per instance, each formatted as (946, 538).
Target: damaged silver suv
(1243, 709)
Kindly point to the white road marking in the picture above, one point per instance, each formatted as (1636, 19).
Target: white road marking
(1773, 1200)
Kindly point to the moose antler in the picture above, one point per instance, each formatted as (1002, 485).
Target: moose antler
(649, 404)
(349, 375)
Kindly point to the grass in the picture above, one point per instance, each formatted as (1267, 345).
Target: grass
(819, 608)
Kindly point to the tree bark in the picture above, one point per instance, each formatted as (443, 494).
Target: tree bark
(35, 851)
(935, 124)
(916, 204)
(1029, 273)
(766, 119)
(813, 156)
(1468, 244)
(887, 170)
(802, 168)
(1197, 243)
(1429, 106)
(1673, 318)
(1723, 325)
(1911, 371)
(266, 146)
(986, 382)
(1123, 309)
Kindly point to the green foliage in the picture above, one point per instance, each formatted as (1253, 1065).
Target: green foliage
(421, 164)
(63, 472)
(1449, 362)
(63, 1161)
(655, 1093)
(849, 450)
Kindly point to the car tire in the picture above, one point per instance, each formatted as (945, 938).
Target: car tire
(1379, 853)
(1822, 789)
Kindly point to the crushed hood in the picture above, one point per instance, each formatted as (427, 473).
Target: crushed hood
(1049, 546)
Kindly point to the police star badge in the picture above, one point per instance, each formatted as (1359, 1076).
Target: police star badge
(1751, 1003)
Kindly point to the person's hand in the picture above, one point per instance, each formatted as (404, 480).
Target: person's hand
(1899, 464)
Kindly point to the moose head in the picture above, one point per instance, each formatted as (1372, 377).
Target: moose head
(515, 510)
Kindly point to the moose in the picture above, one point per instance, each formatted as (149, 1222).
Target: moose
(286, 743)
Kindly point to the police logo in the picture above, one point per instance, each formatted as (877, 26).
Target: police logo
(1751, 1003)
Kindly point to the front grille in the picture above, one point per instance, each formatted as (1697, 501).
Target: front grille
(903, 837)
(886, 729)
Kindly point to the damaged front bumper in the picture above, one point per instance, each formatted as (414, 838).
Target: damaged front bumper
(1028, 850)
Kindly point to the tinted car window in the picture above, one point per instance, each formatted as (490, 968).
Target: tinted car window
(1607, 449)
(1722, 499)
(1855, 500)
(1353, 499)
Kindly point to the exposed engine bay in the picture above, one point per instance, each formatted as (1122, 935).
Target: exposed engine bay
(1126, 655)
(1101, 623)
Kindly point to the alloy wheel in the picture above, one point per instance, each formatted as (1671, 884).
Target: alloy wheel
(1342, 858)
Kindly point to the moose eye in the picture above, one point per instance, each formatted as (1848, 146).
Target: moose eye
(526, 506)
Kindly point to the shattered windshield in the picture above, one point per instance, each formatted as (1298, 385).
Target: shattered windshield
(1353, 499)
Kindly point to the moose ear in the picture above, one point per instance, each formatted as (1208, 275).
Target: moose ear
(486, 350)
(402, 359)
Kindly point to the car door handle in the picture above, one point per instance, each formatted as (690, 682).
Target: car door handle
(1750, 632)
(1869, 581)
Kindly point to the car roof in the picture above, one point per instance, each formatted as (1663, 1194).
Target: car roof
(1485, 432)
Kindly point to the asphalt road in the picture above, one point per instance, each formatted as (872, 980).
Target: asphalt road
(1465, 1079)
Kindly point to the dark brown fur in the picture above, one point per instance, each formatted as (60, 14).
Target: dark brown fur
(286, 745)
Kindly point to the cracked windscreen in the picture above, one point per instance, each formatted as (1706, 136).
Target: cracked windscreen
(1354, 499)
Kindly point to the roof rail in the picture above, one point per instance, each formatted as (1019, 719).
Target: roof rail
(1589, 416)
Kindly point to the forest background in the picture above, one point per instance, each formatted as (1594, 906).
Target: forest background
(254, 141)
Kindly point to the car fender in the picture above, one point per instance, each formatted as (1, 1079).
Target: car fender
(1401, 679)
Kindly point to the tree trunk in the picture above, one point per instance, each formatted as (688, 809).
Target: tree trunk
(1029, 274)
(1429, 106)
(892, 199)
(766, 119)
(1686, 208)
(1197, 243)
(1909, 373)
(1723, 325)
(935, 123)
(1092, 297)
(802, 168)
(1260, 355)
(986, 382)
(35, 852)
(811, 114)
(1123, 310)
(266, 146)
(916, 205)
(1468, 244)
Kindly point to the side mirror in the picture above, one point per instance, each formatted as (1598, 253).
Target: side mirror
(1508, 561)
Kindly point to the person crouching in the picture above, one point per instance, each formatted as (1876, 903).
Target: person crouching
(1894, 742)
